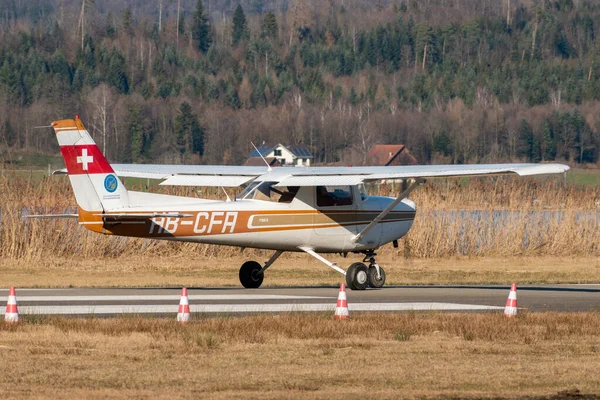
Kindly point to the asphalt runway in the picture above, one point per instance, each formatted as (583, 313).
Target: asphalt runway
(164, 301)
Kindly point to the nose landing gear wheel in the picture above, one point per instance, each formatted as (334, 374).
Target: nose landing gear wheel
(250, 276)
(374, 281)
(357, 277)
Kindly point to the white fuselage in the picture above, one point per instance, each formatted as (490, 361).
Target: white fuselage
(272, 225)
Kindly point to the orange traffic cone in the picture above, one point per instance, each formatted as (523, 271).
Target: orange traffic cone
(183, 315)
(12, 314)
(511, 303)
(341, 309)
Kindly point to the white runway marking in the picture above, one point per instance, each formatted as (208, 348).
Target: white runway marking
(245, 308)
(174, 297)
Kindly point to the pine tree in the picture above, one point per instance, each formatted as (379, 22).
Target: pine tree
(423, 45)
(182, 123)
(232, 98)
(181, 26)
(88, 54)
(136, 132)
(9, 82)
(109, 27)
(127, 19)
(197, 137)
(240, 26)
(188, 132)
(116, 75)
(201, 29)
(548, 141)
(269, 27)
(78, 79)
(353, 97)
(9, 134)
(530, 146)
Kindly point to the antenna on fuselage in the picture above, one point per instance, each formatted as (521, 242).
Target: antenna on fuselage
(261, 156)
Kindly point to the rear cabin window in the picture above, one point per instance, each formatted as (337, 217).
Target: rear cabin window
(330, 196)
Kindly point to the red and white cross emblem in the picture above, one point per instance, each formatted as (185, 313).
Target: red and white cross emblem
(84, 159)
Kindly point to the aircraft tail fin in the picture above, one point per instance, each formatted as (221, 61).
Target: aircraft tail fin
(97, 188)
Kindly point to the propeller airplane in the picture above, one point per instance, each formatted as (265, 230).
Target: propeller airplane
(315, 210)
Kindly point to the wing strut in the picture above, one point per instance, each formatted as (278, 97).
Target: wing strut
(310, 251)
(413, 183)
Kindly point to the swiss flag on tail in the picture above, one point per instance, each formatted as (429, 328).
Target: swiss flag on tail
(94, 182)
(85, 159)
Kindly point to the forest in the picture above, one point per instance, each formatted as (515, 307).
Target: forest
(196, 81)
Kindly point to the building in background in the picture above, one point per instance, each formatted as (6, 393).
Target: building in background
(390, 154)
(258, 162)
(297, 156)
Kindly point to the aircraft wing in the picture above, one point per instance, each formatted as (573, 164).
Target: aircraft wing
(232, 176)
(350, 175)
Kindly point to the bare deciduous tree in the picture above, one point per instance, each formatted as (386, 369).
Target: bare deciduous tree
(101, 99)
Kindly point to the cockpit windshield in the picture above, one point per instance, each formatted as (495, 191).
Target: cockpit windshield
(267, 191)
(363, 191)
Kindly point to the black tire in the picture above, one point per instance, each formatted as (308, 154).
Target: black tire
(249, 275)
(373, 281)
(357, 277)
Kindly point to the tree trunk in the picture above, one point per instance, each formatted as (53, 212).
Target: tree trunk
(177, 30)
(444, 50)
(535, 27)
(160, 7)
(266, 63)
(82, 22)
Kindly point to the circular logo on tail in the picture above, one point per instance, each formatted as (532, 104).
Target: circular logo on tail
(110, 183)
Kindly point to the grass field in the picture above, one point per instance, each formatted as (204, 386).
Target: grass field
(588, 177)
(291, 270)
(303, 356)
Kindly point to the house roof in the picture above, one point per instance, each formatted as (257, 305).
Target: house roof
(258, 162)
(298, 151)
(261, 151)
(384, 154)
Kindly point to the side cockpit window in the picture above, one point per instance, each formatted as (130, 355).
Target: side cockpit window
(288, 195)
(268, 192)
(330, 196)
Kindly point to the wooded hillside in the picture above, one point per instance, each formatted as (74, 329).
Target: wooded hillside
(174, 81)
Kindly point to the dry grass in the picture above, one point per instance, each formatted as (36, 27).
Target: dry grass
(291, 270)
(302, 356)
(527, 224)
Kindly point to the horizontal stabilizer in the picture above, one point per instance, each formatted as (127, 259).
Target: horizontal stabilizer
(48, 216)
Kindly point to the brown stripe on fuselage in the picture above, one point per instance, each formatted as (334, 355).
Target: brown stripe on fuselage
(217, 222)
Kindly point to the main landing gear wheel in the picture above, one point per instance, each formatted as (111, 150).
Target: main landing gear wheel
(250, 275)
(374, 280)
(357, 277)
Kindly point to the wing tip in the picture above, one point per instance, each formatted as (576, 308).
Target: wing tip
(542, 169)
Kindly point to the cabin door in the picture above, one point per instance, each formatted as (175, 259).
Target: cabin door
(336, 211)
